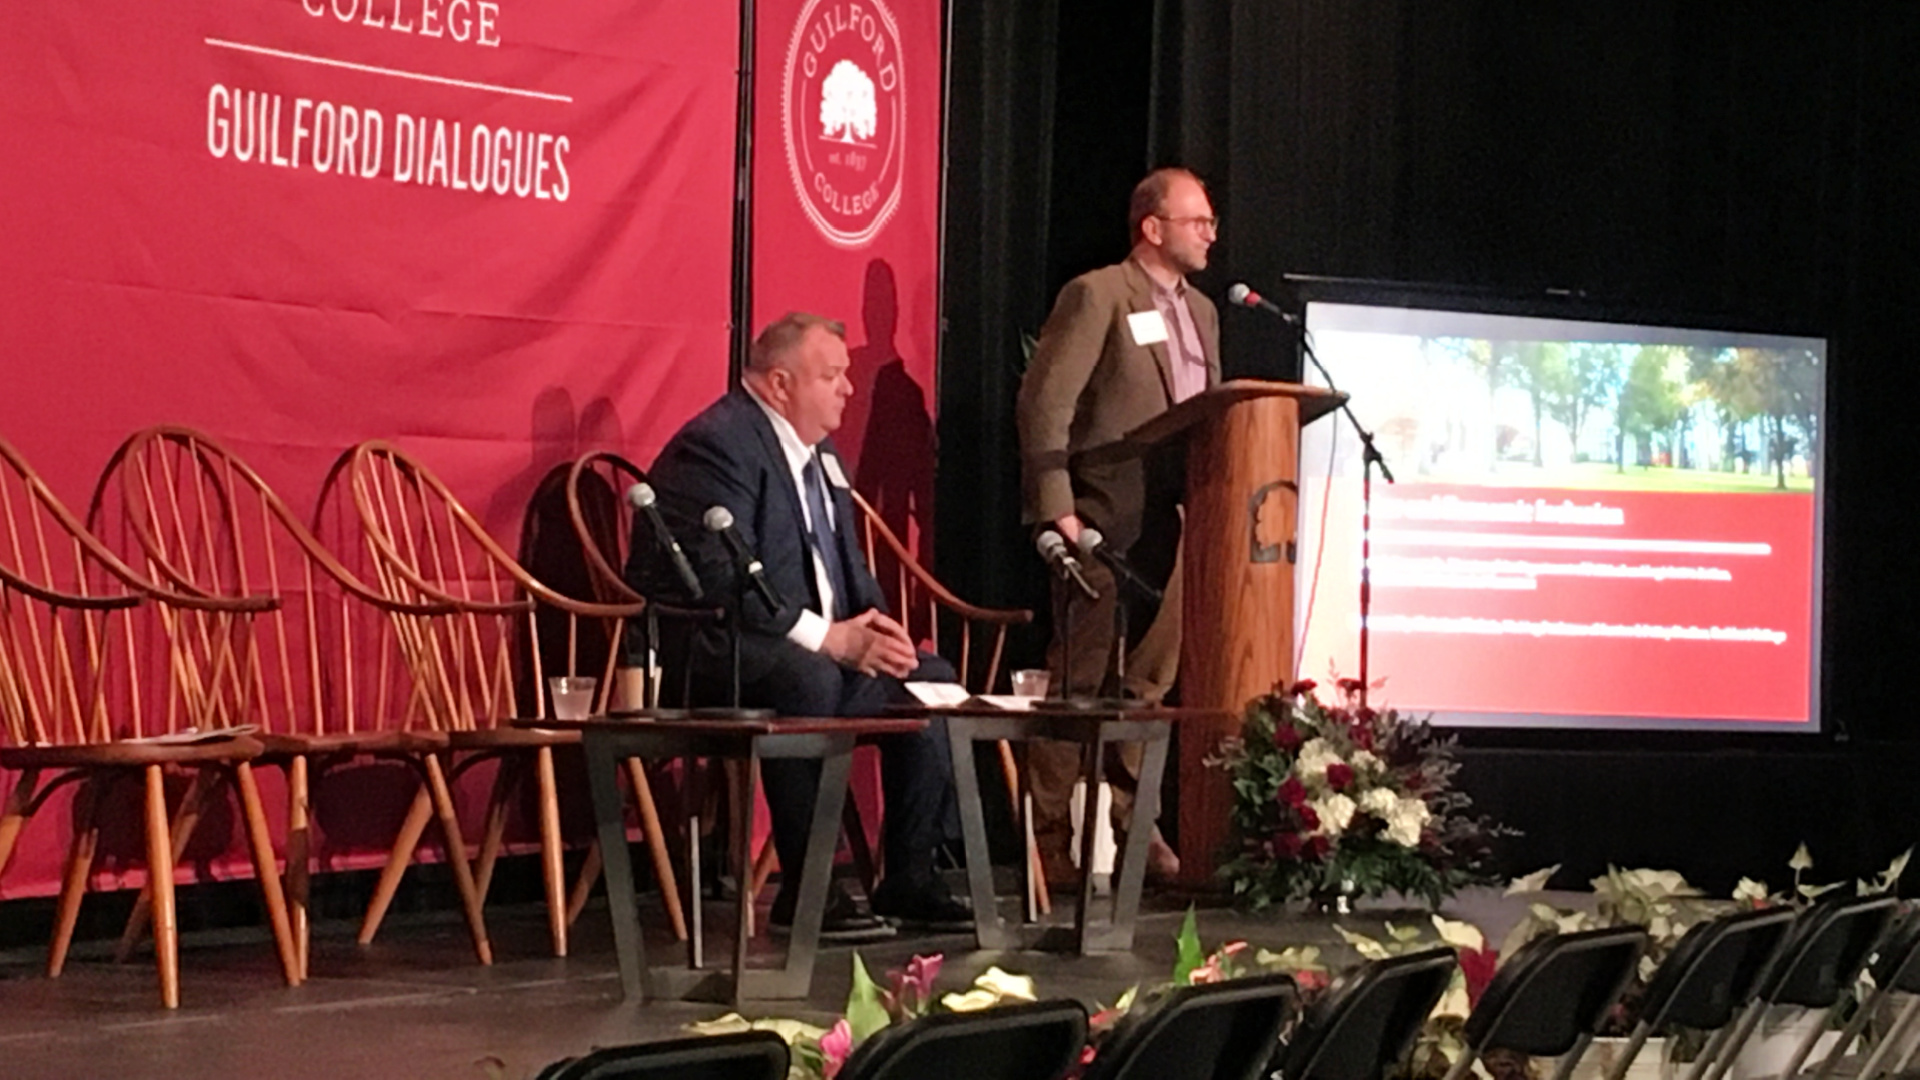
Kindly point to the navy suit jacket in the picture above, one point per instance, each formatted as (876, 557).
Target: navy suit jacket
(729, 456)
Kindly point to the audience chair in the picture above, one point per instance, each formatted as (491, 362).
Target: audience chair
(746, 1055)
(1816, 965)
(107, 676)
(1896, 969)
(1551, 996)
(1034, 1041)
(324, 680)
(1218, 1031)
(428, 548)
(1367, 1020)
(1710, 976)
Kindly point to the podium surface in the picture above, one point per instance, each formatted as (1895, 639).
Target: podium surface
(1242, 443)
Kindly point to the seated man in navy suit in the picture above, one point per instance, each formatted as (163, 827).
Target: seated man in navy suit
(828, 647)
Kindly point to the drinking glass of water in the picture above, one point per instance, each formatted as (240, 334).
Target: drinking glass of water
(572, 696)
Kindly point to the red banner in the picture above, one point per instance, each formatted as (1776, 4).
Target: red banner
(846, 219)
(494, 231)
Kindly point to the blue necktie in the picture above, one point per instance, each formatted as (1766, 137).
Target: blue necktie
(824, 540)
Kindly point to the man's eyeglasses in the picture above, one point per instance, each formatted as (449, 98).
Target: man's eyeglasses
(1205, 224)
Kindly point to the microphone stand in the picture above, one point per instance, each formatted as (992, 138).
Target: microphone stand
(1370, 457)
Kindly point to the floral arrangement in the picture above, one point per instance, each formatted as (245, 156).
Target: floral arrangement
(1332, 801)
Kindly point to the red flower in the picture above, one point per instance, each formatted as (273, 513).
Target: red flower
(1339, 775)
(1288, 738)
(1292, 792)
(1301, 688)
(1363, 736)
(1309, 981)
(1309, 817)
(1288, 845)
(1477, 965)
(1317, 847)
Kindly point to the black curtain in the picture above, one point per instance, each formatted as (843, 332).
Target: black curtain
(1744, 163)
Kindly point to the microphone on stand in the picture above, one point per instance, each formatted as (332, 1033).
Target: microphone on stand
(1054, 549)
(1095, 546)
(719, 520)
(641, 497)
(1239, 294)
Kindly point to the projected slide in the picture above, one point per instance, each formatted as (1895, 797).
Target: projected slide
(1594, 525)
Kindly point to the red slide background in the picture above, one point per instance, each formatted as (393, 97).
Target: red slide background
(1583, 676)
(292, 312)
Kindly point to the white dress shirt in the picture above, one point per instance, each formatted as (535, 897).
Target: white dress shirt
(810, 631)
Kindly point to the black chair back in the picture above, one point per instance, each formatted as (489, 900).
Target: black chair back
(1554, 991)
(1219, 1031)
(1829, 944)
(1367, 1020)
(746, 1055)
(1897, 965)
(1714, 970)
(1037, 1041)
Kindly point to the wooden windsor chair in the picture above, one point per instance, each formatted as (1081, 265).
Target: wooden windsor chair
(327, 684)
(428, 548)
(105, 677)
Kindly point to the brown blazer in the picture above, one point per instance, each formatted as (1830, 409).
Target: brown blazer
(1089, 384)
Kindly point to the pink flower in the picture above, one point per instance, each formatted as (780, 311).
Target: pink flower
(1478, 966)
(913, 988)
(835, 1045)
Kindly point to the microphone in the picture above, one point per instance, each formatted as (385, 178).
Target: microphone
(719, 520)
(641, 497)
(1095, 546)
(1239, 293)
(1054, 550)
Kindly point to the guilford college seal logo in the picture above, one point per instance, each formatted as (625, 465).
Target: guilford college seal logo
(844, 105)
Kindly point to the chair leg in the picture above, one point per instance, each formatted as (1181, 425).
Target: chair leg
(552, 869)
(166, 926)
(260, 842)
(457, 859)
(299, 854)
(583, 885)
(494, 837)
(398, 859)
(184, 820)
(86, 837)
(657, 846)
(14, 818)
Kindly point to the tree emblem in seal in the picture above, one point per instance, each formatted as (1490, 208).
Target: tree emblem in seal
(844, 109)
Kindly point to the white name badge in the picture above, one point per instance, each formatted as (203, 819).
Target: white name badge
(1148, 327)
(831, 463)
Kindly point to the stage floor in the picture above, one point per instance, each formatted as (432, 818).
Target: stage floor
(415, 1006)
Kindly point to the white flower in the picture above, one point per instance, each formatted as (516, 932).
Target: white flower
(1409, 816)
(1379, 802)
(1335, 813)
(1750, 891)
(1460, 935)
(1365, 761)
(1314, 758)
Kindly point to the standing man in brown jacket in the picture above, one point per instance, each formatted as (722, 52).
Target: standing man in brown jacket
(1124, 344)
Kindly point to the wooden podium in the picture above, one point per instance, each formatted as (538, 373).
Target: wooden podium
(1242, 441)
